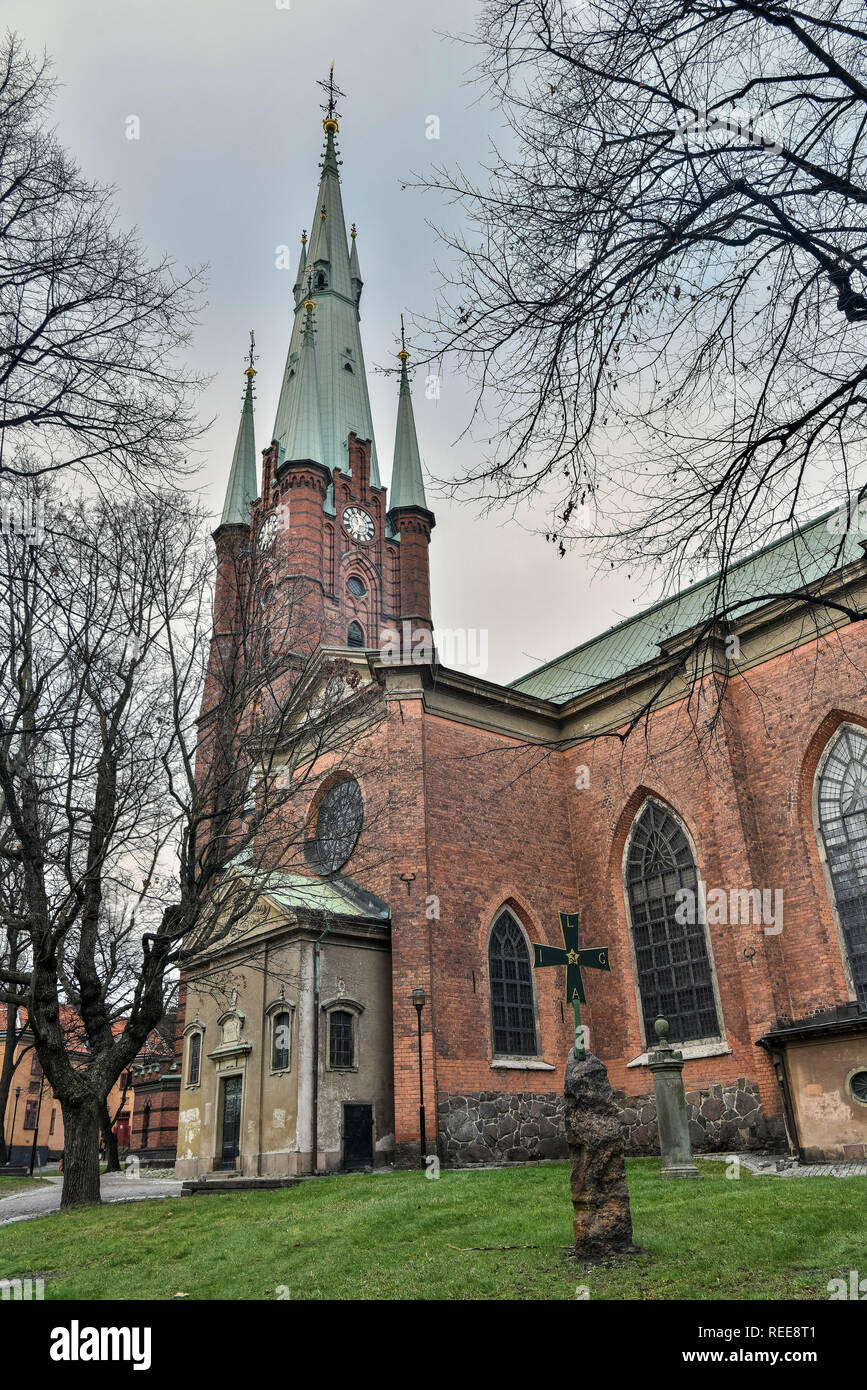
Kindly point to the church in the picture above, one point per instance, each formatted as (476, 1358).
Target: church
(379, 997)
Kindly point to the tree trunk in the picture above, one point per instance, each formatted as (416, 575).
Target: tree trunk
(7, 1072)
(80, 1154)
(109, 1139)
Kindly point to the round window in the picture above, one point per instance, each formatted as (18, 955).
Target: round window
(858, 1085)
(338, 825)
(356, 586)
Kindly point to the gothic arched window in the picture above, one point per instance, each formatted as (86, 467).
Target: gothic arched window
(843, 827)
(513, 1015)
(668, 932)
(355, 635)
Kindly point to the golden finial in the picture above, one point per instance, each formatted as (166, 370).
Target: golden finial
(403, 354)
(353, 233)
(304, 237)
(323, 213)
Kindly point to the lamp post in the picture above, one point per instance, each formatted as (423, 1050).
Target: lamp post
(12, 1131)
(36, 1130)
(419, 998)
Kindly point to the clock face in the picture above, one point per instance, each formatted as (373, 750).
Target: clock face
(359, 525)
(268, 532)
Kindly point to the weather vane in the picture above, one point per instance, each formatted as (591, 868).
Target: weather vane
(252, 356)
(333, 92)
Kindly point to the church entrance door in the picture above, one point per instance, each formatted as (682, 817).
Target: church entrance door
(230, 1147)
(357, 1136)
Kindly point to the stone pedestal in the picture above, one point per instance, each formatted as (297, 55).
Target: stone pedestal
(600, 1198)
(666, 1065)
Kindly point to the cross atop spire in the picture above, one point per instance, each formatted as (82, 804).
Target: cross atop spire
(332, 91)
(252, 355)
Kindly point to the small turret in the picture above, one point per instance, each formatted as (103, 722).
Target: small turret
(243, 486)
(354, 270)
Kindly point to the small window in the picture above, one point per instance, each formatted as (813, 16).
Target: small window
(35, 1067)
(146, 1123)
(355, 635)
(347, 367)
(321, 282)
(31, 1110)
(53, 1122)
(195, 1059)
(356, 586)
(282, 1033)
(341, 1053)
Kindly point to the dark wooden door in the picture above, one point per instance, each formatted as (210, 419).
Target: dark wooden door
(358, 1136)
(231, 1122)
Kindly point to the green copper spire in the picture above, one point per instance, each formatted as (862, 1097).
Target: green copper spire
(407, 483)
(302, 269)
(243, 486)
(344, 403)
(354, 269)
(304, 440)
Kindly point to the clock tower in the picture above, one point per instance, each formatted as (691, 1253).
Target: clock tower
(357, 556)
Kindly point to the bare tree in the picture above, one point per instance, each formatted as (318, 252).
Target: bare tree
(90, 327)
(661, 295)
(112, 781)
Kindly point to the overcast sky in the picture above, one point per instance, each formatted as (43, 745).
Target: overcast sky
(225, 172)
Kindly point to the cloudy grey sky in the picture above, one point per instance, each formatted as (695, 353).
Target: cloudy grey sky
(225, 172)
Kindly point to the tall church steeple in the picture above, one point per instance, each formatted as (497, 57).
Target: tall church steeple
(335, 285)
(243, 486)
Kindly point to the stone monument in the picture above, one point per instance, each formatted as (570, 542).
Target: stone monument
(666, 1064)
(602, 1221)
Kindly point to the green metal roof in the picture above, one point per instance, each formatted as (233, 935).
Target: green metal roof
(407, 483)
(340, 896)
(802, 557)
(343, 400)
(243, 486)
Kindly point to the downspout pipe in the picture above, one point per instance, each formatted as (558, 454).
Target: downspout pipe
(317, 991)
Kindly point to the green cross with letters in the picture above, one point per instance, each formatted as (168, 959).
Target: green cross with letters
(573, 958)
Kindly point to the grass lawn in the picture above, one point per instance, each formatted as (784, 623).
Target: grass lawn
(9, 1186)
(406, 1236)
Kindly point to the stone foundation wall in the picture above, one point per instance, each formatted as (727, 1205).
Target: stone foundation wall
(514, 1127)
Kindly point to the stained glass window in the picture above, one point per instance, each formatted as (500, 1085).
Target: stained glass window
(843, 825)
(674, 972)
(512, 1012)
